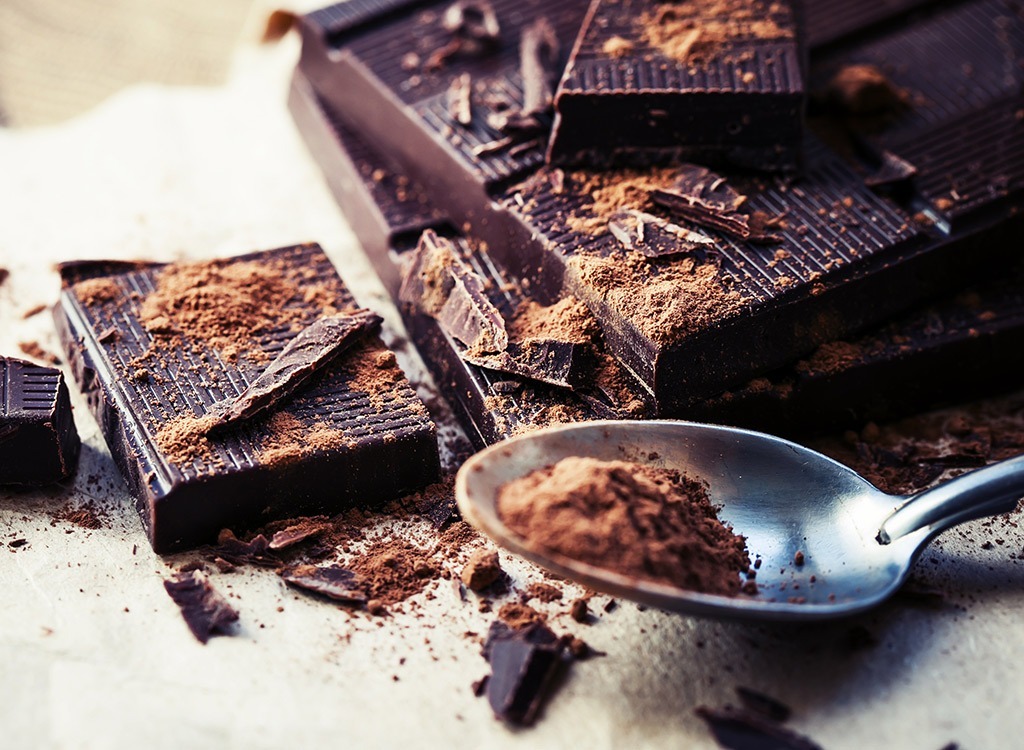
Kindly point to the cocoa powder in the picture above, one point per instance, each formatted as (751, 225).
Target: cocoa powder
(641, 521)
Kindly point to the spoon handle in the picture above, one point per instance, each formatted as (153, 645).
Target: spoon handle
(984, 492)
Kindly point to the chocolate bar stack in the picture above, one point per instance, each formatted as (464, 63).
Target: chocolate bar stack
(774, 215)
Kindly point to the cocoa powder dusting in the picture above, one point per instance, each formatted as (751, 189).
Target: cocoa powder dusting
(93, 292)
(614, 191)
(566, 320)
(640, 521)
(227, 304)
(695, 31)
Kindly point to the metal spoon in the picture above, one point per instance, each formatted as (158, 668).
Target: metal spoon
(858, 544)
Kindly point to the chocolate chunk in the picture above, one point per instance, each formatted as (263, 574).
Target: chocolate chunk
(438, 283)
(331, 581)
(356, 431)
(38, 440)
(308, 353)
(205, 611)
(712, 82)
(740, 730)
(892, 170)
(524, 664)
(296, 534)
(482, 569)
(538, 60)
(459, 104)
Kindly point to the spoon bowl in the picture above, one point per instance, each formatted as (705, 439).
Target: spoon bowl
(858, 544)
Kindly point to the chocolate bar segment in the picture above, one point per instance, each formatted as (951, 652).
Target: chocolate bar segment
(38, 440)
(718, 83)
(154, 347)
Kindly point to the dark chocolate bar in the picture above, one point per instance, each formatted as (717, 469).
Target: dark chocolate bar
(965, 345)
(828, 21)
(704, 81)
(154, 347)
(38, 440)
(762, 305)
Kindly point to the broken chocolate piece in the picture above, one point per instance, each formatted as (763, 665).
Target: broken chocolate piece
(296, 534)
(740, 730)
(440, 284)
(332, 581)
(703, 197)
(764, 705)
(562, 363)
(482, 569)
(459, 101)
(472, 19)
(313, 349)
(205, 611)
(538, 60)
(524, 664)
(357, 431)
(38, 440)
(653, 236)
(892, 170)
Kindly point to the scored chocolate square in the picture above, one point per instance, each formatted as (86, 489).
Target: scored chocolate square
(713, 81)
(158, 349)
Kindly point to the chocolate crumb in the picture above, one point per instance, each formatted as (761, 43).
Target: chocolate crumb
(543, 592)
(580, 611)
(482, 569)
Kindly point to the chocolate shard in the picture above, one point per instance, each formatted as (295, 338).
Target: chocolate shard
(439, 283)
(38, 440)
(524, 664)
(296, 534)
(561, 363)
(892, 170)
(356, 431)
(256, 551)
(315, 347)
(472, 19)
(655, 237)
(740, 730)
(206, 612)
(332, 581)
(703, 197)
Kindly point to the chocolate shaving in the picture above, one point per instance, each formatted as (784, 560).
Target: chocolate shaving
(740, 730)
(235, 551)
(440, 284)
(703, 197)
(764, 705)
(205, 611)
(538, 64)
(315, 347)
(297, 534)
(560, 363)
(332, 581)
(493, 147)
(459, 103)
(653, 236)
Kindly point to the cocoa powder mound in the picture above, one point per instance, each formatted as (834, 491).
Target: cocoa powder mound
(93, 292)
(393, 570)
(832, 357)
(566, 320)
(640, 521)
(695, 31)
(614, 191)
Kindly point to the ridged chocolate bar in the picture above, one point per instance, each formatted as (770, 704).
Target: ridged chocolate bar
(38, 440)
(841, 242)
(965, 345)
(649, 82)
(354, 433)
(828, 21)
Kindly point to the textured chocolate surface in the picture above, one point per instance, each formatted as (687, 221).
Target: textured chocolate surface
(38, 440)
(378, 440)
(737, 98)
(842, 242)
(828, 21)
(967, 344)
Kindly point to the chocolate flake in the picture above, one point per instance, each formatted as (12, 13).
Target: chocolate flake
(538, 61)
(332, 581)
(893, 170)
(474, 28)
(296, 534)
(205, 611)
(653, 236)
(703, 197)
(441, 285)
(315, 347)
(763, 705)
(740, 730)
